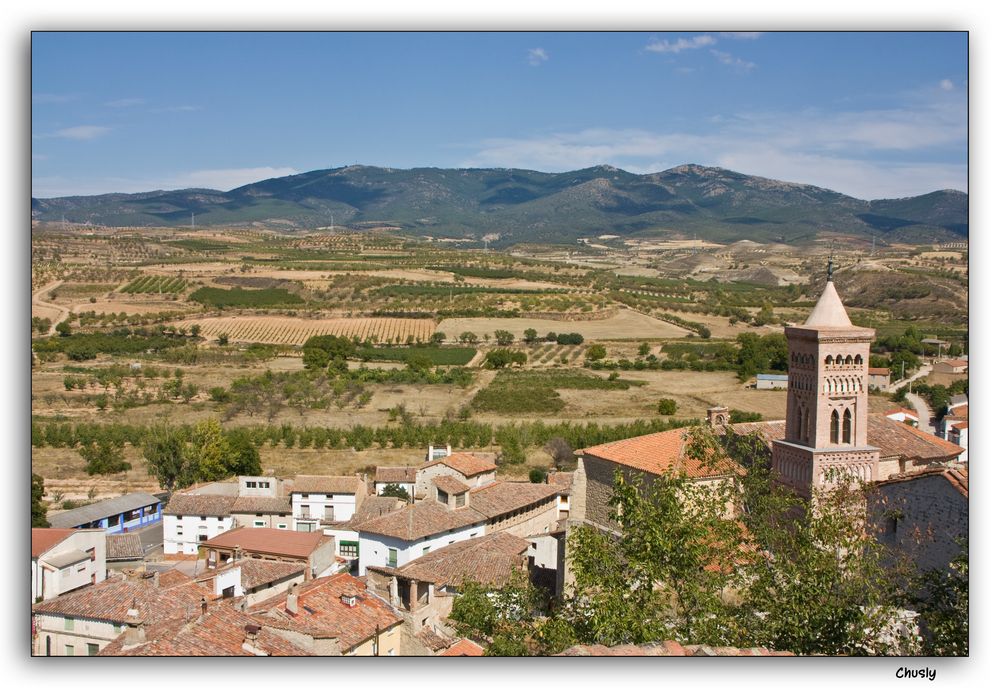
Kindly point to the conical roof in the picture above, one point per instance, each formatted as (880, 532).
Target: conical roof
(829, 311)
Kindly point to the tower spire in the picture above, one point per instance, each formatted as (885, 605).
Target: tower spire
(829, 268)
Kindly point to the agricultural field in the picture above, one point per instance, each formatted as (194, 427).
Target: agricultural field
(624, 324)
(295, 331)
(155, 284)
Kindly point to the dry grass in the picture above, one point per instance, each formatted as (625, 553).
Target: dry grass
(625, 324)
(295, 331)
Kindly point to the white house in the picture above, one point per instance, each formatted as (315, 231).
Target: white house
(255, 580)
(319, 499)
(190, 519)
(958, 434)
(65, 559)
(404, 476)
(903, 416)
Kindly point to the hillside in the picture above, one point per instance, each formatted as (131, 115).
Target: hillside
(523, 205)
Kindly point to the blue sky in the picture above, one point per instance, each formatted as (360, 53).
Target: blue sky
(873, 115)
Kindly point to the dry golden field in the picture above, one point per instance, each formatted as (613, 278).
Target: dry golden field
(295, 331)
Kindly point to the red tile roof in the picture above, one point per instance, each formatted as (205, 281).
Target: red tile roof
(669, 648)
(502, 496)
(288, 543)
(465, 463)
(956, 363)
(332, 484)
(561, 479)
(463, 648)
(322, 614)
(450, 485)
(420, 520)
(396, 474)
(221, 631)
(44, 539)
(111, 599)
(878, 371)
(488, 560)
(957, 477)
(659, 453)
(123, 547)
(961, 426)
(200, 505)
(262, 505)
(257, 572)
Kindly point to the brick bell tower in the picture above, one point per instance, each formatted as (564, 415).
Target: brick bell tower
(826, 417)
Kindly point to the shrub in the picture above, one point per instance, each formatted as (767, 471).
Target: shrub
(537, 475)
(667, 407)
(595, 352)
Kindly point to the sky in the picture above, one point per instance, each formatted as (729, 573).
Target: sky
(869, 114)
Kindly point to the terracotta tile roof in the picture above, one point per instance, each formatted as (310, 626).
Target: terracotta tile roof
(420, 520)
(659, 453)
(956, 363)
(44, 539)
(257, 572)
(322, 614)
(957, 477)
(200, 505)
(503, 496)
(450, 485)
(878, 371)
(561, 479)
(173, 578)
(891, 437)
(288, 543)
(964, 425)
(431, 640)
(488, 560)
(262, 505)
(396, 474)
(332, 484)
(669, 648)
(959, 412)
(111, 599)
(221, 631)
(463, 648)
(123, 547)
(372, 508)
(465, 463)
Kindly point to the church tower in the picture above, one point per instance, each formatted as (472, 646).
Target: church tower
(826, 418)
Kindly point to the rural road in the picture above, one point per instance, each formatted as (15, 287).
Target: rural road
(923, 412)
(925, 369)
(36, 300)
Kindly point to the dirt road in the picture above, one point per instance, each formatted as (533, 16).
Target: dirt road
(36, 300)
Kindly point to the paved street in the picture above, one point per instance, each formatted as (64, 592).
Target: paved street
(923, 412)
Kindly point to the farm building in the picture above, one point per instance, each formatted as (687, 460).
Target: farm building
(767, 381)
(952, 366)
(117, 515)
(879, 378)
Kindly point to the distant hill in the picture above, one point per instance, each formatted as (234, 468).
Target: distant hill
(523, 205)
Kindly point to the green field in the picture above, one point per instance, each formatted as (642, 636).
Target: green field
(519, 392)
(155, 284)
(249, 298)
(437, 355)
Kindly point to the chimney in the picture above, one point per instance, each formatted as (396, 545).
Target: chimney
(292, 601)
(135, 634)
(718, 416)
(204, 605)
(250, 640)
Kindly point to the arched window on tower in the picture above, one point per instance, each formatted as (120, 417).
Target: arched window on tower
(834, 427)
(857, 360)
(829, 360)
(839, 360)
(805, 431)
(847, 426)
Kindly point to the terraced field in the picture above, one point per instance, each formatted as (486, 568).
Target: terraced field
(295, 331)
(625, 324)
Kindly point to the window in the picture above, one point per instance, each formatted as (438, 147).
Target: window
(329, 496)
(264, 484)
(282, 526)
(259, 524)
(180, 531)
(328, 512)
(425, 550)
(251, 484)
(70, 650)
(304, 527)
(305, 511)
(204, 518)
(835, 427)
(92, 649)
(202, 537)
(460, 499)
(442, 496)
(391, 558)
(349, 548)
(847, 426)
(67, 624)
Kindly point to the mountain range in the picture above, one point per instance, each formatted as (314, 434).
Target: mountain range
(527, 206)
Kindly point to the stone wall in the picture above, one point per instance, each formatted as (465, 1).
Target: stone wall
(921, 518)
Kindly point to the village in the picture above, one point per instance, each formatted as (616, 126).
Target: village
(373, 565)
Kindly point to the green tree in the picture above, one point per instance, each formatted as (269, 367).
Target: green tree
(395, 490)
(223, 339)
(205, 457)
(195, 330)
(468, 338)
(530, 335)
(38, 507)
(503, 337)
(104, 457)
(644, 349)
(942, 598)
(504, 618)
(596, 352)
(667, 407)
(537, 475)
(437, 338)
(241, 456)
(63, 329)
(165, 455)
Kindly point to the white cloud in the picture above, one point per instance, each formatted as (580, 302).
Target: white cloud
(946, 85)
(665, 46)
(727, 59)
(866, 154)
(537, 56)
(125, 102)
(742, 35)
(85, 132)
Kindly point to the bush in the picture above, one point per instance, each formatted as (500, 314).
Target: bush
(596, 352)
(537, 475)
(667, 407)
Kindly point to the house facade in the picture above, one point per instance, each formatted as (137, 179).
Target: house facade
(313, 551)
(191, 519)
(66, 559)
(325, 499)
(117, 515)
